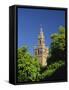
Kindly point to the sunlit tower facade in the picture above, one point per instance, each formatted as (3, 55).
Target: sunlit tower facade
(41, 51)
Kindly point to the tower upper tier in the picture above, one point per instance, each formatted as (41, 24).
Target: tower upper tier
(41, 34)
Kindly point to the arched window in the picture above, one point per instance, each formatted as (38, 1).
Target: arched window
(40, 41)
(40, 51)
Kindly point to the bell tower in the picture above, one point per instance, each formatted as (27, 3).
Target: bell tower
(41, 38)
(41, 51)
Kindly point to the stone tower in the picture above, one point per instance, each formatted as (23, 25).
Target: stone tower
(41, 51)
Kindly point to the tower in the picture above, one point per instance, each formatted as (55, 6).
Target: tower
(41, 51)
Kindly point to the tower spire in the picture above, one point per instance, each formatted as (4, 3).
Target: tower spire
(41, 29)
(41, 35)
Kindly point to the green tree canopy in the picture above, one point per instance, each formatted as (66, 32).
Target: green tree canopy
(57, 48)
(28, 66)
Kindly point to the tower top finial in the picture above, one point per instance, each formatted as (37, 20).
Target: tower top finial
(41, 35)
(41, 29)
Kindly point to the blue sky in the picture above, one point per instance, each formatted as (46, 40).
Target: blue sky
(29, 21)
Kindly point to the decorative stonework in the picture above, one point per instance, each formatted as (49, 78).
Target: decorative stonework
(41, 51)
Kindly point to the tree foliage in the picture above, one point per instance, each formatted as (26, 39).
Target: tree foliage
(57, 48)
(28, 66)
(51, 69)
